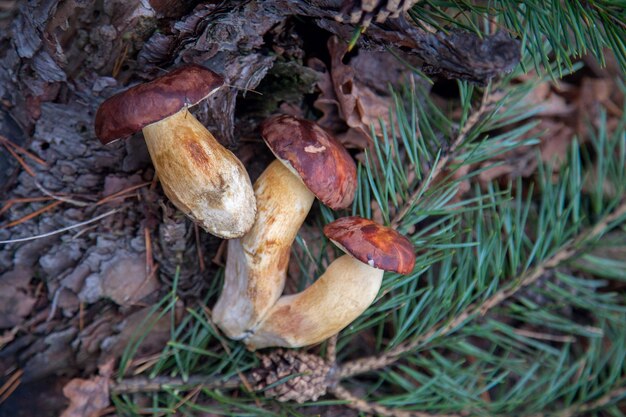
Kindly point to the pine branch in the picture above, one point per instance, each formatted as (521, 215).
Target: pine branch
(579, 409)
(376, 409)
(565, 253)
(442, 163)
(570, 29)
(162, 383)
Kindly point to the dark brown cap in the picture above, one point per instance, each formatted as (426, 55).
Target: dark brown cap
(322, 162)
(371, 243)
(129, 111)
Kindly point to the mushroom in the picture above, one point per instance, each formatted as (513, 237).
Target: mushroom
(311, 163)
(343, 292)
(201, 177)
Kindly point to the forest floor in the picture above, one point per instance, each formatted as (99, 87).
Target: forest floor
(101, 244)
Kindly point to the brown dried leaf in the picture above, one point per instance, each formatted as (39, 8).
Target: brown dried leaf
(327, 101)
(549, 102)
(493, 173)
(555, 141)
(88, 397)
(356, 94)
(594, 95)
(360, 104)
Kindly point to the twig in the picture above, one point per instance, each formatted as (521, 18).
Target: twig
(54, 304)
(9, 335)
(142, 364)
(194, 393)
(6, 142)
(580, 409)
(20, 161)
(119, 61)
(121, 193)
(64, 229)
(161, 383)
(81, 316)
(148, 244)
(11, 385)
(199, 252)
(9, 203)
(566, 252)
(545, 336)
(375, 409)
(60, 197)
(31, 215)
(445, 160)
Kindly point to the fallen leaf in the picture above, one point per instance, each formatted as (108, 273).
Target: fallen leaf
(88, 397)
(596, 94)
(327, 100)
(125, 280)
(355, 96)
(360, 104)
(555, 141)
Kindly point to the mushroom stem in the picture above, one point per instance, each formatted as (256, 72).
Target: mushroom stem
(339, 296)
(201, 177)
(256, 267)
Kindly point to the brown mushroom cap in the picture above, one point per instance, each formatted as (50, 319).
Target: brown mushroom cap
(130, 111)
(371, 243)
(322, 162)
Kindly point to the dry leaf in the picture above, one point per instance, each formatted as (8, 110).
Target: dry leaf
(549, 103)
(327, 101)
(356, 93)
(126, 281)
(555, 142)
(88, 397)
(360, 104)
(594, 95)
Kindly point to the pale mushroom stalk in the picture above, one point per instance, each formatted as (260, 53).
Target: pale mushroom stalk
(256, 266)
(310, 163)
(337, 298)
(343, 292)
(201, 177)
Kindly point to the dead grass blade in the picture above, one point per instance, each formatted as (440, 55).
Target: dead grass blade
(31, 215)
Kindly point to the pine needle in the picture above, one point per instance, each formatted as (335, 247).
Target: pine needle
(19, 159)
(65, 229)
(31, 215)
(11, 385)
(10, 203)
(565, 253)
(10, 144)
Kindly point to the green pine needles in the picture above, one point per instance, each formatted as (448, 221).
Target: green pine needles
(550, 30)
(516, 305)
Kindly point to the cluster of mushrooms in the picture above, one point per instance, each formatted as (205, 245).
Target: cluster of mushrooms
(211, 186)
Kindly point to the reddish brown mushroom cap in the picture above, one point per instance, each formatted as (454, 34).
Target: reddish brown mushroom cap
(130, 111)
(371, 243)
(322, 162)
